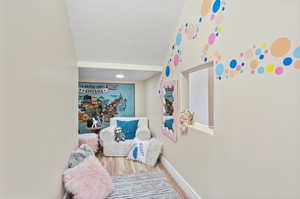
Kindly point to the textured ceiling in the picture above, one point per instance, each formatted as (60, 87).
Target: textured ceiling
(127, 32)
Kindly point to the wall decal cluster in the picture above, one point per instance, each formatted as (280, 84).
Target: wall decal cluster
(211, 11)
(253, 60)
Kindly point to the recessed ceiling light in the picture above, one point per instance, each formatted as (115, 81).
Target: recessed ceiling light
(120, 76)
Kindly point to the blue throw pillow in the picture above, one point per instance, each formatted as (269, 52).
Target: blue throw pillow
(128, 128)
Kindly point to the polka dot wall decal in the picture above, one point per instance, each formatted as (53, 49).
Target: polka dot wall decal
(176, 60)
(287, 61)
(266, 51)
(178, 39)
(206, 5)
(264, 45)
(260, 70)
(219, 18)
(211, 38)
(258, 51)
(219, 69)
(238, 68)
(233, 63)
(270, 68)
(297, 64)
(261, 57)
(168, 71)
(253, 64)
(296, 53)
(279, 70)
(280, 47)
(249, 54)
(216, 6)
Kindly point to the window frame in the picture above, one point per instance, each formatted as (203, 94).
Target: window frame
(185, 95)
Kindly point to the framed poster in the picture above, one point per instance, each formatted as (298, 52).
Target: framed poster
(103, 101)
(168, 94)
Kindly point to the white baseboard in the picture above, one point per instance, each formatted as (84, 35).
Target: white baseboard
(184, 185)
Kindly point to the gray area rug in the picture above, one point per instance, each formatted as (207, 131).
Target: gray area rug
(147, 185)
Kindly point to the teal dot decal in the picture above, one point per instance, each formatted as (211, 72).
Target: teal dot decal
(219, 69)
(287, 61)
(216, 6)
(168, 71)
(297, 53)
(233, 63)
(258, 51)
(178, 39)
(260, 70)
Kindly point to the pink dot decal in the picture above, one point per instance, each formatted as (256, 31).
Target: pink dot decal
(279, 70)
(211, 38)
(176, 59)
(219, 18)
(212, 17)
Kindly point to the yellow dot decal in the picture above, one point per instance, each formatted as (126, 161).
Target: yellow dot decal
(270, 68)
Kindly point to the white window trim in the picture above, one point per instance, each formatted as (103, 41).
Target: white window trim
(184, 97)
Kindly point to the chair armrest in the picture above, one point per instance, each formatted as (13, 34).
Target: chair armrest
(107, 135)
(143, 133)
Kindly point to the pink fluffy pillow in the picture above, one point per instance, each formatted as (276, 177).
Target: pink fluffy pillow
(90, 139)
(88, 180)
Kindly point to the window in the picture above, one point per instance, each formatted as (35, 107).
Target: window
(197, 88)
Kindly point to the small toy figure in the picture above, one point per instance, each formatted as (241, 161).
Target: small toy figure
(186, 118)
(95, 123)
(119, 135)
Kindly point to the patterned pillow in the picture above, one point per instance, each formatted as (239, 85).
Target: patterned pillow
(138, 150)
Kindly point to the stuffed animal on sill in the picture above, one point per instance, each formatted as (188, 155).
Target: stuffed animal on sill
(119, 135)
(185, 118)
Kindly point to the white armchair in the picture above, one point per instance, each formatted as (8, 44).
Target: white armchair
(112, 148)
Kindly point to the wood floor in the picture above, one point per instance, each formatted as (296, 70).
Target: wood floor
(121, 166)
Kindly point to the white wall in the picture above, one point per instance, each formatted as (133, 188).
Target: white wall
(40, 99)
(139, 94)
(254, 152)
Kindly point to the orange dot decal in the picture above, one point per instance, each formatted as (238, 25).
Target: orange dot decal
(254, 64)
(249, 54)
(280, 47)
(206, 5)
(297, 64)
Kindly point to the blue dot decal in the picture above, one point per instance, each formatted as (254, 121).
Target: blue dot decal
(205, 59)
(261, 57)
(216, 6)
(233, 63)
(168, 71)
(260, 70)
(287, 61)
(258, 51)
(219, 69)
(178, 39)
(297, 53)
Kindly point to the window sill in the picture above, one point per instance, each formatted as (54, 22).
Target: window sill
(201, 128)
